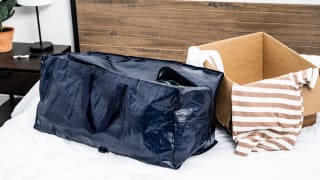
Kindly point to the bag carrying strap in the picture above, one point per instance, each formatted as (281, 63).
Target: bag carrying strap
(113, 108)
(88, 60)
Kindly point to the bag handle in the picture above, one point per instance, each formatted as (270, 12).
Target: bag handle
(112, 111)
(114, 108)
(88, 60)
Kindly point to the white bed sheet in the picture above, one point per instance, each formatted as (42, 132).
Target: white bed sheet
(26, 153)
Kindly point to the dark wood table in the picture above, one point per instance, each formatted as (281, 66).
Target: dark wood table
(17, 76)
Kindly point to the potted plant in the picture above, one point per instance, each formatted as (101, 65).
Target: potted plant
(6, 33)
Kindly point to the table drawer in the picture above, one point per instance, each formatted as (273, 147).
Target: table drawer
(15, 82)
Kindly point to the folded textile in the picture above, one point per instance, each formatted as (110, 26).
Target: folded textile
(268, 114)
(200, 58)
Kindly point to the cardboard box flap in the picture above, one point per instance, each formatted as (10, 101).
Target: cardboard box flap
(311, 99)
(278, 59)
(240, 54)
(223, 103)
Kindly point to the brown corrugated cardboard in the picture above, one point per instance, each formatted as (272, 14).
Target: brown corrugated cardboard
(255, 57)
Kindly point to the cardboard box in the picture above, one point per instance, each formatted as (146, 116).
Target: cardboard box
(255, 57)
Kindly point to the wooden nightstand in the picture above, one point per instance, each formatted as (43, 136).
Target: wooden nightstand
(17, 76)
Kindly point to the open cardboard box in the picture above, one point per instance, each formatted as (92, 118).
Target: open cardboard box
(255, 57)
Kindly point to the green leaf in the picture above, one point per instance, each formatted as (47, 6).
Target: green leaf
(2, 8)
(3, 13)
(10, 5)
(6, 9)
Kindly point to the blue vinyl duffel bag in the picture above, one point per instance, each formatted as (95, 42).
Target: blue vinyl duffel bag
(159, 112)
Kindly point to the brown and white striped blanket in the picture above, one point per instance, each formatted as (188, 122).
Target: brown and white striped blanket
(268, 114)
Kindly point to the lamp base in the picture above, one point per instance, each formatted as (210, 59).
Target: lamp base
(37, 48)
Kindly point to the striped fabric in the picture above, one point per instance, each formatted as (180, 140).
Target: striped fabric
(268, 114)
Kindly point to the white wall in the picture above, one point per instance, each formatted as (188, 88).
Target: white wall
(56, 20)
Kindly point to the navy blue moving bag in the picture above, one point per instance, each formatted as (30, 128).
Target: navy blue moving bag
(155, 111)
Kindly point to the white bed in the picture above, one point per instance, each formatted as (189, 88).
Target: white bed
(26, 153)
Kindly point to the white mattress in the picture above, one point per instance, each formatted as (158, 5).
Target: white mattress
(26, 153)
